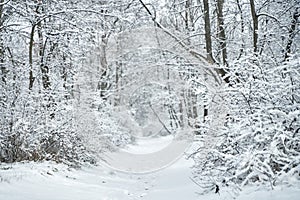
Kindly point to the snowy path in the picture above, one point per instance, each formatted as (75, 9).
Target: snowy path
(46, 181)
(50, 181)
(148, 154)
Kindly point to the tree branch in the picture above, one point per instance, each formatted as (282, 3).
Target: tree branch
(162, 123)
(192, 52)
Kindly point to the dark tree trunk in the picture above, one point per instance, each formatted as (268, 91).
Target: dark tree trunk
(103, 85)
(208, 42)
(255, 25)
(2, 49)
(222, 36)
(31, 77)
(292, 33)
(43, 66)
(207, 27)
(242, 28)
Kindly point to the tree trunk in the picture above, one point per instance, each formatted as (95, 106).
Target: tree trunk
(104, 66)
(222, 37)
(31, 77)
(117, 99)
(42, 46)
(64, 72)
(208, 42)
(292, 33)
(44, 68)
(255, 25)
(189, 18)
(181, 111)
(41, 50)
(242, 28)
(2, 65)
(207, 31)
(187, 15)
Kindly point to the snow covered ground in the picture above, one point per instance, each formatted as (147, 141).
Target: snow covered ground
(149, 154)
(51, 181)
(43, 181)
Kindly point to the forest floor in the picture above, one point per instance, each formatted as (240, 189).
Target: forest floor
(51, 181)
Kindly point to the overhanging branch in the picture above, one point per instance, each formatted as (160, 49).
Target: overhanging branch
(192, 52)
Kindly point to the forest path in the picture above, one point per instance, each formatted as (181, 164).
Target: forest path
(150, 154)
(52, 181)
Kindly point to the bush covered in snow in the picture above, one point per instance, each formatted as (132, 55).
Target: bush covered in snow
(39, 127)
(260, 142)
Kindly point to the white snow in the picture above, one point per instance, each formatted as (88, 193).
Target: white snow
(52, 181)
(43, 181)
(149, 145)
(150, 154)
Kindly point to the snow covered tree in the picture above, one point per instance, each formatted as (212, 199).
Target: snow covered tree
(257, 144)
(49, 41)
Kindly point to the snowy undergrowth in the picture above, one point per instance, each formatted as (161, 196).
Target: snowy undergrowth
(259, 143)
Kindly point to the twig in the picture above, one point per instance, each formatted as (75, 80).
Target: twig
(165, 127)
